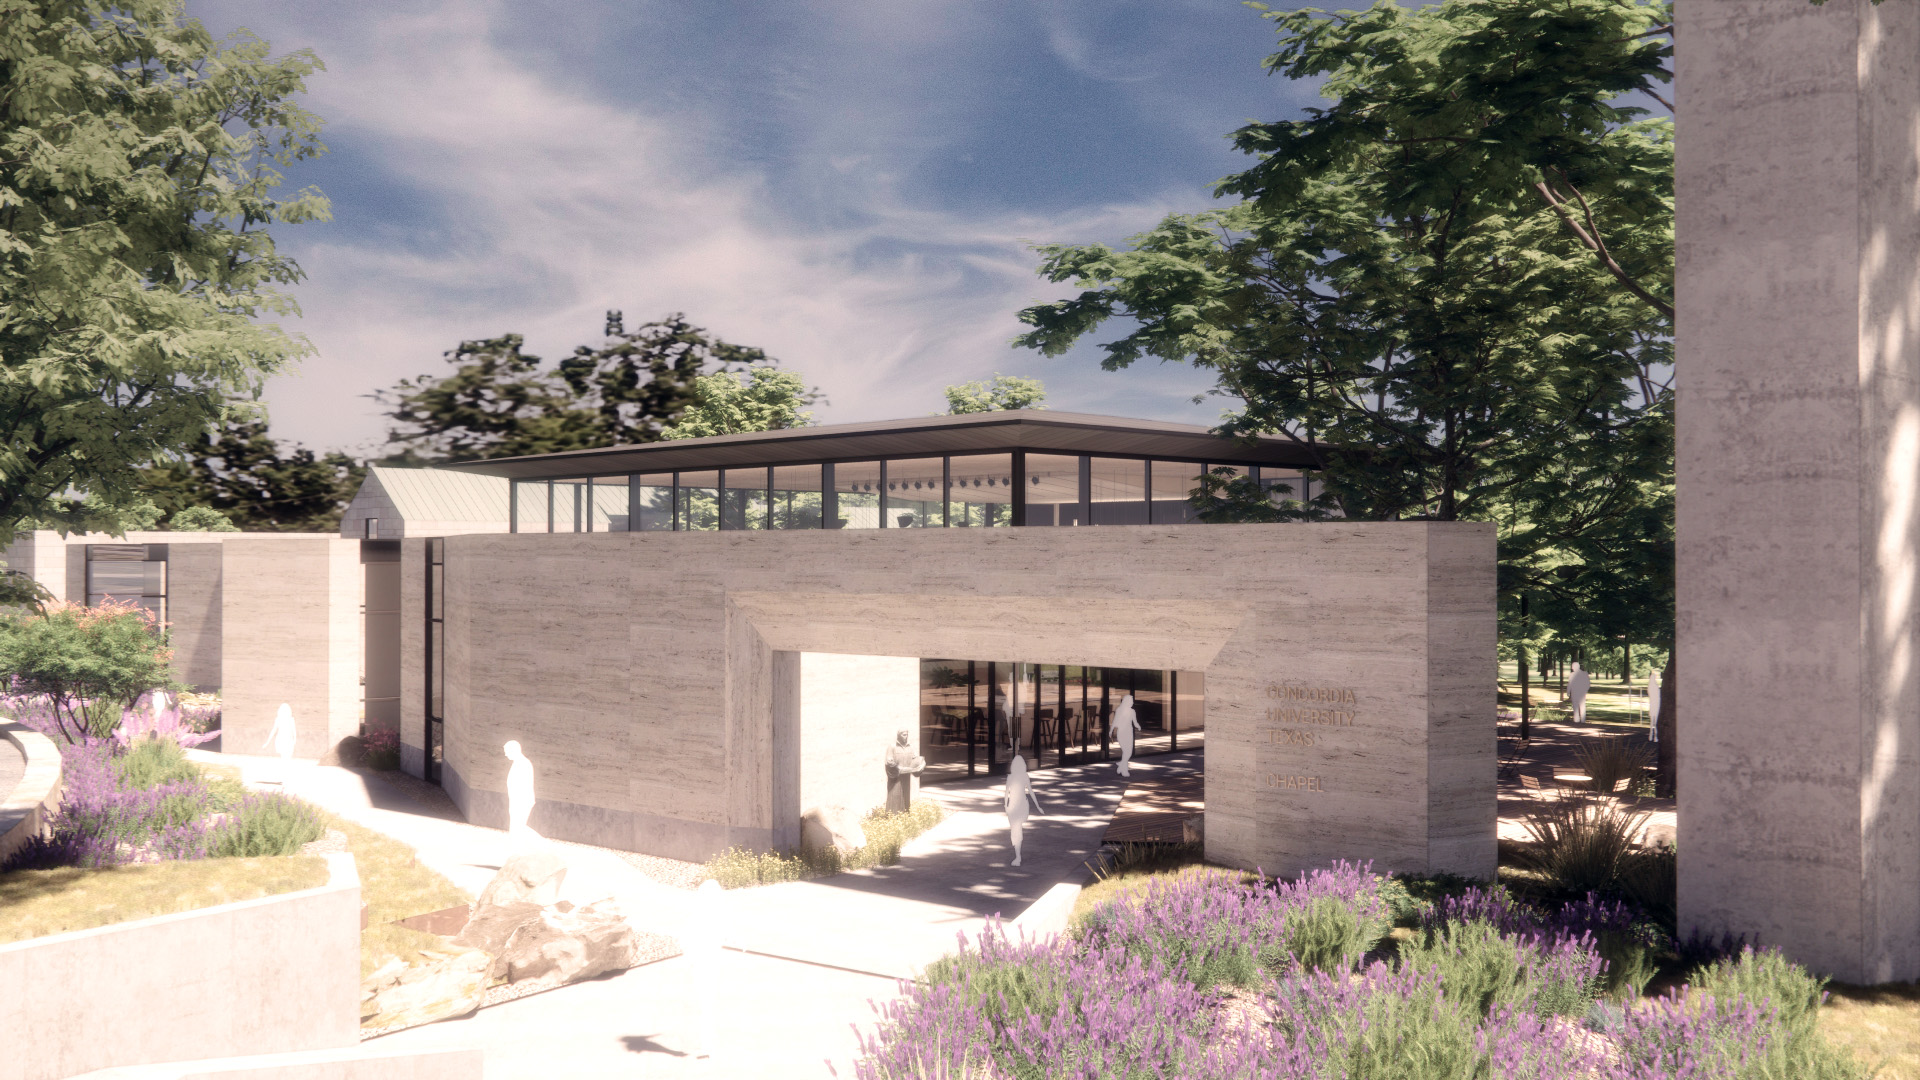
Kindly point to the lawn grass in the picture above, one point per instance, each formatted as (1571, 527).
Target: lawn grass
(394, 885)
(1880, 1024)
(35, 903)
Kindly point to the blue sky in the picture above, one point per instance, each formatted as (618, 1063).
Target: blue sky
(852, 186)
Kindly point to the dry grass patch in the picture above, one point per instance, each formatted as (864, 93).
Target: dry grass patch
(394, 885)
(35, 903)
(1880, 1024)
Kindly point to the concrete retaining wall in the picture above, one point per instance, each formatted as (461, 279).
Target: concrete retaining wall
(24, 809)
(265, 976)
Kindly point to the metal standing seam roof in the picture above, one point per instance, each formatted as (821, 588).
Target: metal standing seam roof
(1045, 431)
(440, 495)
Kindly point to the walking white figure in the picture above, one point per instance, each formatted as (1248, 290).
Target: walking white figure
(1577, 685)
(1653, 705)
(701, 944)
(1019, 793)
(519, 795)
(1125, 723)
(282, 737)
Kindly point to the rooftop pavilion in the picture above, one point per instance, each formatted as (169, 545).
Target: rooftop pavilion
(1011, 468)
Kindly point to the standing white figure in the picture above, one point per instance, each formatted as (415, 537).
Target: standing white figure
(701, 944)
(1019, 793)
(1125, 723)
(1577, 685)
(1653, 705)
(282, 737)
(519, 794)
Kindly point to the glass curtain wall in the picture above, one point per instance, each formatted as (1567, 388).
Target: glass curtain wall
(655, 496)
(857, 488)
(796, 497)
(743, 499)
(982, 495)
(976, 714)
(1053, 489)
(697, 501)
(1118, 491)
(1173, 484)
(915, 495)
(607, 502)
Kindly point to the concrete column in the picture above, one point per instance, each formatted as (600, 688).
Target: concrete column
(1799, 475)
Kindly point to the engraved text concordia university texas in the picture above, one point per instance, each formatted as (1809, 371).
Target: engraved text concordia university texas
(1321, 706)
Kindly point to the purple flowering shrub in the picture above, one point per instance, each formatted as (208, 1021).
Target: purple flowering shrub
(1199, 976)
(188, 725)
(1612, 929)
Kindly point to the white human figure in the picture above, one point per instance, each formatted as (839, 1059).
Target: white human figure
(1125, 723)
(1653, 705)
(283, 736)
(701, 945)
(1577, 684)
(519, 794)
(1019, 793)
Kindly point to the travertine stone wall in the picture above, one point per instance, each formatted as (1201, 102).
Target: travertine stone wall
(291, 632)
(850, 708)
(1349, 669)
(1798, 240)
(194, 574)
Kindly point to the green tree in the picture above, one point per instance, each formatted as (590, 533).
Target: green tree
(92, 662)
(139, 163)
(995, 394)
(1451, 287)
(201, 519)
(768, 399)
(502, 402)
(255, 483)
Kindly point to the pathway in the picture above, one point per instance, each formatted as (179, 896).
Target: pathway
(806, 958)
(1553, 751)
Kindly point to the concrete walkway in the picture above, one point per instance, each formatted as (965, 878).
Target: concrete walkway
(807, 960)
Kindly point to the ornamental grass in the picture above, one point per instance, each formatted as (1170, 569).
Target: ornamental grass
(886, 832)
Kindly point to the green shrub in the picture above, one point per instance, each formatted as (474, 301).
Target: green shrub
(1482, 969)
(272, 824)
(1651, 880)
(151, 762)
(1582, 846)
(1329, 934)
(224, 792)
(1802, 1052)
(92, 662)
(1003, 990)
(201, 519)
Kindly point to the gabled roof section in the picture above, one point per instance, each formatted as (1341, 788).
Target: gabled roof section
(434, 495)
(1038, 430)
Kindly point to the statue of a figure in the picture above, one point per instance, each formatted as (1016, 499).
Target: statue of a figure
(519, 794)
(1653, 705)
(1125, 723)
(1577, 685)
(282, 737)
(1019, 792)
(902, 766)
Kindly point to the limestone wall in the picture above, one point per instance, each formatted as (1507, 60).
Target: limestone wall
(641, 671)
(291, 632)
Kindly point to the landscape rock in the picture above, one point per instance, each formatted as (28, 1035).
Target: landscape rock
(530, 878)
(490, 928)
(399, 995)
(831, 826)
(560, 947)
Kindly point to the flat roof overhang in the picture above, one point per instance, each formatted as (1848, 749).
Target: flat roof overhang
(1043, 431)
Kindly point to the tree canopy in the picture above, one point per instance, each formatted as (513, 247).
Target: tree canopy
(1452, 288)
(139, 165)
(768, 399)
(995, 394)
(245, 477)
(502, 402)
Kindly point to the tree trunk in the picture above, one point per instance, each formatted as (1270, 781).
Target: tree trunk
(1666, 758)
(1525, 705)
(1626, 664)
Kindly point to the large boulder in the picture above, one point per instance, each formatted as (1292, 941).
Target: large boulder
(831, 827)
(490, 928)
(531, 878)
(399, 995)
(558, 947)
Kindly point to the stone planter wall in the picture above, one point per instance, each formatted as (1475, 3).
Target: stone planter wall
(32, 799)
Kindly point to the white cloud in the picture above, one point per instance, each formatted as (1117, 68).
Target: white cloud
(567, 205)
